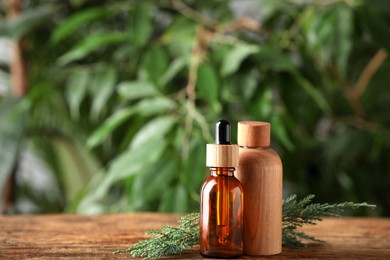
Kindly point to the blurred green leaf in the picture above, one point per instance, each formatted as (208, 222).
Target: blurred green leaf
(76, 87)
(343, 37)
(134, 160)
(175, 200)
(153, 66)
(74, 22)
(152, 106)
(280, 133)
(319, 25)
(23, 24)
(131, 90)
(4, 30)
(74, 165)
(91, 44)
(271, 8)
(167, 202)
(137, 157)
(154, 129)
(147, 107)
(141, 22)
(262, 107)
(377, 24)
(101, 133)
(77, 3)
(152, 182)
(129, 163)
(329, 32)
(314, 93)
(194, 168)
(12, 115)
(101, 90)
(174, 68)
(181, 199)
(249, 83)
(274, 60)
(180, 36)
(236, 56)
(207, 83)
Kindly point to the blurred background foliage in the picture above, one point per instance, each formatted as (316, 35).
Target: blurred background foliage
(123, 95)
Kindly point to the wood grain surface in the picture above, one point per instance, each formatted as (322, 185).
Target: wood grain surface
(260, 172)
(221, 155)
(253, 134)
(96, 237)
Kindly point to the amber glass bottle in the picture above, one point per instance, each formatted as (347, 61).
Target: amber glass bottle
(221, 222)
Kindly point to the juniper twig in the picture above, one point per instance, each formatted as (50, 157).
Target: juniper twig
(296, 213)
(169, 240)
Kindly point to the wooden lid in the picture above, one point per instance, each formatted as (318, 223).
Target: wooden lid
(221, 155)
(254, 134)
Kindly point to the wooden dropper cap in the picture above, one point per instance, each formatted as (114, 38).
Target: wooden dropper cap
(222, 153)
(254, 134)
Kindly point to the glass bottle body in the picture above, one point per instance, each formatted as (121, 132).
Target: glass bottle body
(221, 221)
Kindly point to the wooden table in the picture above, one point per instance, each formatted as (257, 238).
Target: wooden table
(96, 237)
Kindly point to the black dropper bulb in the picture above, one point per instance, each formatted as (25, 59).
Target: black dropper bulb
(222, 132)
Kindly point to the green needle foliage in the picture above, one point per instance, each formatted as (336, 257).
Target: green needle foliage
(169, 240)
(296, 213)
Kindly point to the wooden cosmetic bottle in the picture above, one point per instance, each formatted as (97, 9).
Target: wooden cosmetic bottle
(261, 175)
(221, 212)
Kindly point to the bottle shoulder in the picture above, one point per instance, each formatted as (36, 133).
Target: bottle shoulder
(263, 154)
(212, 182)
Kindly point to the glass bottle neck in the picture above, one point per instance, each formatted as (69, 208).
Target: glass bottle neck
(222, 171)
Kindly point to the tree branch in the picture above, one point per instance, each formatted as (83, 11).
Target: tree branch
(242, 23)
(196, 57)
(369, 72)
(354, 93)
(187, 11)
(18, 68)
